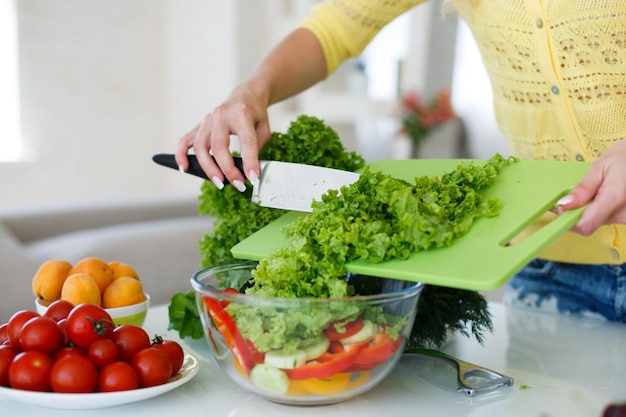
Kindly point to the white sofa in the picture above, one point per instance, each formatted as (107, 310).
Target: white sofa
(158, 236)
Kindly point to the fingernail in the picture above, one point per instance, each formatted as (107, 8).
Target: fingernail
(252, 176)
(180, 168)
(218, 183)
(565, 200)
(239, 186)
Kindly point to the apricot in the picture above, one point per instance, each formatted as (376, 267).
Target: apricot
(123, 291)
(81, 288)
(122, 269)
(96, 268)
(49, 279)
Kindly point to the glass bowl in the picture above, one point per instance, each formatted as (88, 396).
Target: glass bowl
(305, 351)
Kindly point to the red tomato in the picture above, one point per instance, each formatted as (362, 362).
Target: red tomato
(7, 354)
(59, 309)
(341, 329)
(153, 367)
(88, 322)
(173, 350)
(102, 352)
(129, 340)
(74, 374)
(68, 351)
(42, 334)
(62, 325)
(4, 337)
(31, 371)
(231, 290)
(15, 323)
(117, 376)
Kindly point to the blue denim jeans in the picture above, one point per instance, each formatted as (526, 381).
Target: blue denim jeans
(571, 288)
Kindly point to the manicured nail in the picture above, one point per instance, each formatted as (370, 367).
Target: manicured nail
(565, 200)
(218, 183)
(239, 186)
(180, 168)
(252, 176)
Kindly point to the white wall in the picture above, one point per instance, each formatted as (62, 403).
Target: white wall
(104, 85)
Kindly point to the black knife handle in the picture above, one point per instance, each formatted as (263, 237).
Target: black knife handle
(169, 161)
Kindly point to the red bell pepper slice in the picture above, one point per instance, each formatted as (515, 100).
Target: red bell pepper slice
(326, 366)
(380, 349)
(227, 327)
(349, 328)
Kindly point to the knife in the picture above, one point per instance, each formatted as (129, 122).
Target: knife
(282, 185)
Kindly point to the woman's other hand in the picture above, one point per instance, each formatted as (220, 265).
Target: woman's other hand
(604, 188)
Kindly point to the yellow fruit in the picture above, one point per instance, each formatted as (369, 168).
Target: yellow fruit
(121, 269)
(124, 291)
(96, 268)
(49, 279)
(81, 288)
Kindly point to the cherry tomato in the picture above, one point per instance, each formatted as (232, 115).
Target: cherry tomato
(4, 337)
(30, 371)
(62, 325)
(88, 322)
(102, 352)
(15, 323)
(173, 350)
(42, 334)
(67, 351)
(117, 376)
(153, 367)
(59, 309)
(129, 340)
(7, 354)
(74, 374)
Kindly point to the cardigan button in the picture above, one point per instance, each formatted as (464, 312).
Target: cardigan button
(580, 158)
(614, 254)
(539, 23)
(555, 90)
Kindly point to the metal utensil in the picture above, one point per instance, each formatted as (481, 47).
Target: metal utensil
(489, 379)
(282, 185)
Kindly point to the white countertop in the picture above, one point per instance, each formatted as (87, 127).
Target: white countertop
(562, 366)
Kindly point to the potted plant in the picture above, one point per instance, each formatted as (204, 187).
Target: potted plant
(420, 118)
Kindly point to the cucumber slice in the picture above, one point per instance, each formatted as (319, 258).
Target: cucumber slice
(282, 360)
(269, 378)
(317, 349)
(367, 333)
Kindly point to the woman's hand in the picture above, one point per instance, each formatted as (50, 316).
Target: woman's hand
(244, 114)
(605, 184)
(294, 65)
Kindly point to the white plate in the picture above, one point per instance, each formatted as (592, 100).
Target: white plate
(190, 367)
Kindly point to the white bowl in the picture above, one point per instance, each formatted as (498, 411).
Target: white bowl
(133, 314)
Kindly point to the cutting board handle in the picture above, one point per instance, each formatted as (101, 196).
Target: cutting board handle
(543, 237)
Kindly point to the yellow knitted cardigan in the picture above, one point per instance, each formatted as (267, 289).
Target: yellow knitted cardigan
(558, 72)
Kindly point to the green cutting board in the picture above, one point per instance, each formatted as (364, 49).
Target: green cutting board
(479, 260)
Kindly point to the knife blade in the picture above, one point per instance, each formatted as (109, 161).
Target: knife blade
(282, 185)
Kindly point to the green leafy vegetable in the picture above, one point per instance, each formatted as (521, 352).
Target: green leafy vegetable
(183, 314)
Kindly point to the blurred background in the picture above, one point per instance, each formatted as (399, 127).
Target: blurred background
(91, 89)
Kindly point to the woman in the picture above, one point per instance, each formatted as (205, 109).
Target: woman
(558, 72)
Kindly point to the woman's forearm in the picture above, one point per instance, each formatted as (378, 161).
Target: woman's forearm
(294, 65)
